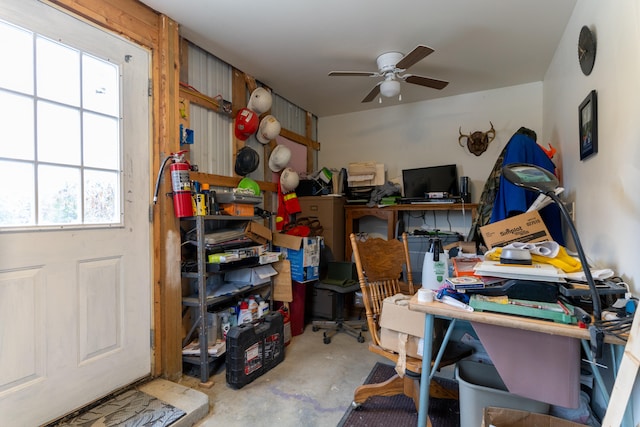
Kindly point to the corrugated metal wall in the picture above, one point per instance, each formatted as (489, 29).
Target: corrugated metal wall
(213, 132)
(212, 146)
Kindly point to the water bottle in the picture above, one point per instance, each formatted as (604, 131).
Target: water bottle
(435, 268)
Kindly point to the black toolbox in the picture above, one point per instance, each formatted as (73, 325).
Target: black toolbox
(254, 348)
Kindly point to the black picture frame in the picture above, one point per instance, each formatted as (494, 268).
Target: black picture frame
(588, 119)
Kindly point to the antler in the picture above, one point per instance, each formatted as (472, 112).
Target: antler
(491, 131)
(462, 136)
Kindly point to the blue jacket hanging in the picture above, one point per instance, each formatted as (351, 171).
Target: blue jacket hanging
(512, 200)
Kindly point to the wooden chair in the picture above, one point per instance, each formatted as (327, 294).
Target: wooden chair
(380, 264)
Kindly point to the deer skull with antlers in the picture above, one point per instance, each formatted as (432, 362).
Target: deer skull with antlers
(478, 141)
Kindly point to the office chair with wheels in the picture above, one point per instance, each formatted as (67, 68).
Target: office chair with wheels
(341, 280)
(379, 264)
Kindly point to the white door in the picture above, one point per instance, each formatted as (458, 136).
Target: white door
(75, 287)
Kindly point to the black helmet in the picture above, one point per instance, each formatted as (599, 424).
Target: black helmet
(247, 161)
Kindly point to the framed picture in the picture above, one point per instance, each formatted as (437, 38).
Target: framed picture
(588, 115)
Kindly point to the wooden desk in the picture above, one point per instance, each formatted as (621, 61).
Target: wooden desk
(437, 309)
(390, 214)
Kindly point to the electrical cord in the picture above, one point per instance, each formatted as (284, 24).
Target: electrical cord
(618, 328)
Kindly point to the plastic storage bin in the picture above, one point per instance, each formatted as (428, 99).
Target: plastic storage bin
(480, 386)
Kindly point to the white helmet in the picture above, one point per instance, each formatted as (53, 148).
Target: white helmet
(260, 101)
(289, 180)
(279, 158)
(268, 130)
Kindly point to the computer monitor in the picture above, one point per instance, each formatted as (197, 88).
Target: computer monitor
(419, 181)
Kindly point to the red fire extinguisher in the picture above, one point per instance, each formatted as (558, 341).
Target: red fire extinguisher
(180, 184)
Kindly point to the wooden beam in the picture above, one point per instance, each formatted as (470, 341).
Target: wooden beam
(300, 139)
(168, 289)
(131, 19)
(203, 100)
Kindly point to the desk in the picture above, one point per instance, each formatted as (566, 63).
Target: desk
(353, 213)
(433, 309)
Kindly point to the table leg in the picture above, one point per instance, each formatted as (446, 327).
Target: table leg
(425, 375)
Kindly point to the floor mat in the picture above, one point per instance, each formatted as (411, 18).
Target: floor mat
(132, 408)
(399, 410)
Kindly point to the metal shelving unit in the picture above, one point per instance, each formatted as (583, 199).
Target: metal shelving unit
(201, 300)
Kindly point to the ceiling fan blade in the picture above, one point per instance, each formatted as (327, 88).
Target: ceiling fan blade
(373, 94)
(425, 81)
(417, 54)
(354, 73)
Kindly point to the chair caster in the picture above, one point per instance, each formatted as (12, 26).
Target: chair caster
(315, 328)
(326, 340)
(360, 339)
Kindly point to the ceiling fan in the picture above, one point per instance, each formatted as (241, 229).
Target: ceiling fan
(391, 65)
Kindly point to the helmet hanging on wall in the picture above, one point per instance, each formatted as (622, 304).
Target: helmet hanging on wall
(280, 157)
(246, 124)
(289, 180)
(247, 160)
(260, 100)
(268, 130)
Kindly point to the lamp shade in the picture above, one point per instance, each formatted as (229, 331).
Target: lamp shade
(390, 88)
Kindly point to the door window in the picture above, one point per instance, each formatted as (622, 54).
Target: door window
(60, 136)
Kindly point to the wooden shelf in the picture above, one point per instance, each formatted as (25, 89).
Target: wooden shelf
(353, 213)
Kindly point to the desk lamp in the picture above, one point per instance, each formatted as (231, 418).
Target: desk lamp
(540, 180)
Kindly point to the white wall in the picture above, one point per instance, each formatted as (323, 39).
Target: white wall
(605, 186)
(426, 133)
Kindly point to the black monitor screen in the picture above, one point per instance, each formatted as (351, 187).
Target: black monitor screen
(417, 182)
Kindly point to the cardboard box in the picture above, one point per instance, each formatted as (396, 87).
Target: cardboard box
(258, 232)
(303, 253)
(502, 417)
(526, 227)
(397, 318)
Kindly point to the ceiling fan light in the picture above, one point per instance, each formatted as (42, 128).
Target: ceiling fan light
(390, 88)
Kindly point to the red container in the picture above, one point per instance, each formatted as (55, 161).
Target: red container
(297, 308)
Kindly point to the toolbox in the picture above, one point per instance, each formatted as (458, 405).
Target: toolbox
(254, 348)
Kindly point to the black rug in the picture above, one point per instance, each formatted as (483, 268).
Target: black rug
(400, 410)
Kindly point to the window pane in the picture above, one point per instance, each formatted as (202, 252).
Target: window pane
(100, 89)
(58, 134)
(59, 198)
(100, 197)
(17, 199)
(58, 72)
(16, 126)
(19, 53)
(101, 142)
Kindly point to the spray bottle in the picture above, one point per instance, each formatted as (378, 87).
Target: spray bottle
(435, 268)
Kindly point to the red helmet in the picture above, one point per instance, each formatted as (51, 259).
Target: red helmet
(246, 124)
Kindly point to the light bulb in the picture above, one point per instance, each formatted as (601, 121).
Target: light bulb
(390, 88)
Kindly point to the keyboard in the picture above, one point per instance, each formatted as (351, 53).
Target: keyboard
(428, 201)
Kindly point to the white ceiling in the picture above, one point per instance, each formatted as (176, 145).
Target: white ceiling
(291, 45)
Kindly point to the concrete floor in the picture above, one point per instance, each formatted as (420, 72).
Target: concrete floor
(312, 387)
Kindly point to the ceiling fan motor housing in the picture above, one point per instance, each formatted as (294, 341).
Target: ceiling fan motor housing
(387, 61)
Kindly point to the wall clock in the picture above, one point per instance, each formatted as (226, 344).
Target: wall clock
(586, 50)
